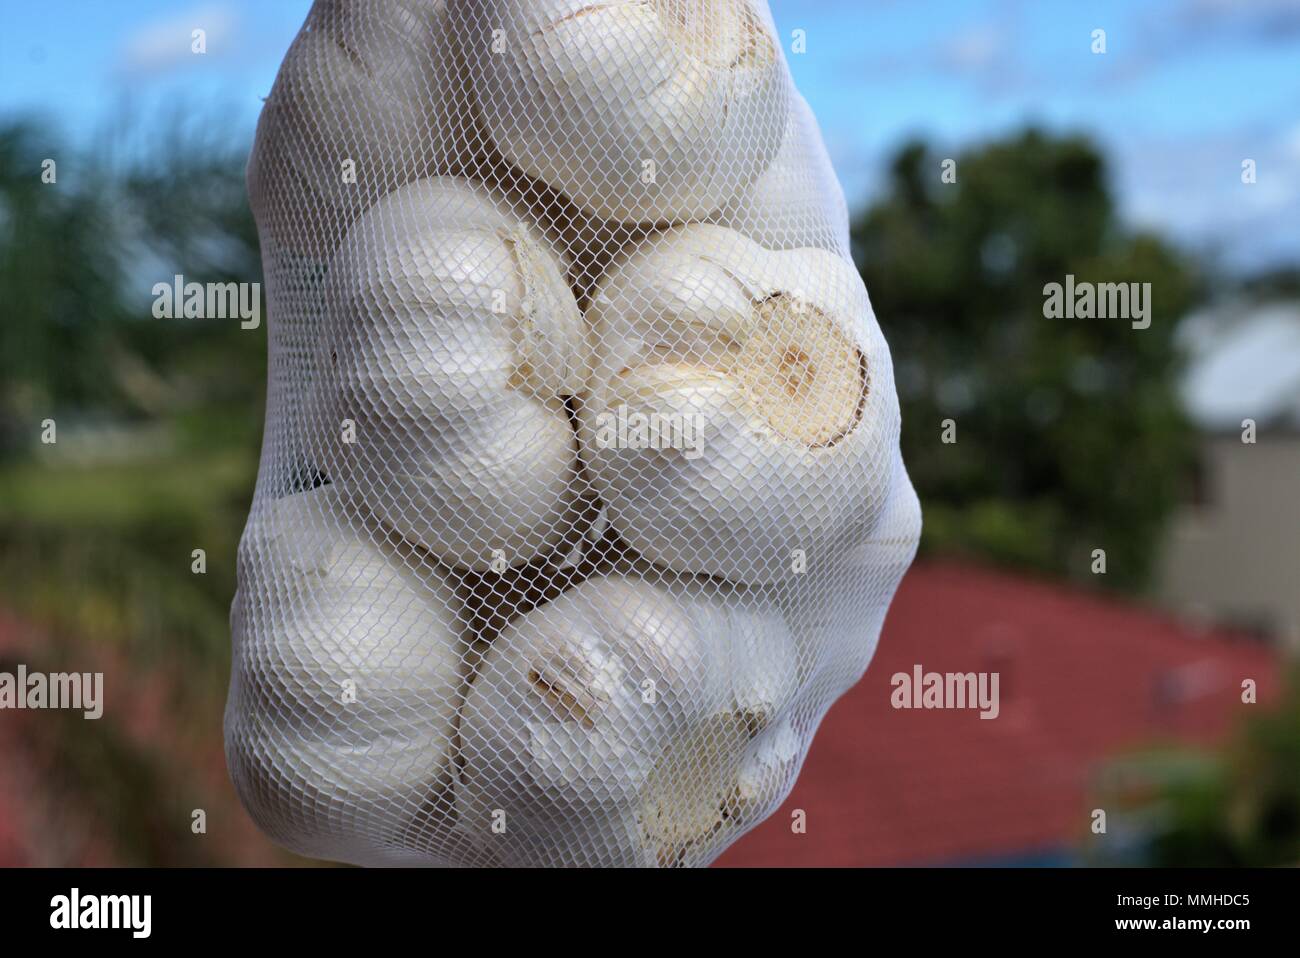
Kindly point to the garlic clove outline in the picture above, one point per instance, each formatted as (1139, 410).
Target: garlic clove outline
(798, 201)
(611, 726)
(368, 98)
(841, 612)
(451, 342)
(718, 780)
(769, 771)
(640, 111)
(556, 731)
(348, 670)
(773, 390)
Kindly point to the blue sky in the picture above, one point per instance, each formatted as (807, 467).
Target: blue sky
(1186, 90)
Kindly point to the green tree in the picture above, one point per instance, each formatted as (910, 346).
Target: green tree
(60, 282)
(1236, 806)
(158, 420)
(1069, 435)
(159, 424)
(79, 254)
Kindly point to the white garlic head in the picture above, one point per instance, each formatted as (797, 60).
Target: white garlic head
(345, 685)
(637, 110)
(364, 102)
(613, 725)
(452, 341)
(740, 411)
(797, 202)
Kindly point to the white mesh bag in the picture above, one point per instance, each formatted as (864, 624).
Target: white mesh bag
(580, 499)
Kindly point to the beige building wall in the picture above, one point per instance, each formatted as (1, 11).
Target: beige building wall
(1234, 557)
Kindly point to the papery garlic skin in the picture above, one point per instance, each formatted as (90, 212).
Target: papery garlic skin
(840, 628)
(713, 782)
(638, 110)
(777, 361)
(556, 732)
(606, 727)
(452, 340)
(769, 770)
(797, 203)
(346, 678)
(365, 100)
(892, 544)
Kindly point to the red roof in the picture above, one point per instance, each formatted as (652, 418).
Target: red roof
(1083, 676)
(13, 847)
(43, 823)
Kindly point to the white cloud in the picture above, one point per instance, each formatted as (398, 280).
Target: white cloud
(1246, 363)
(160, 46)
(1263, 19)
(976, 48)
(1192, 187)
(1292, 143)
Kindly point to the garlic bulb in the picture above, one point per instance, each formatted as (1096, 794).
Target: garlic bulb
(717, 779)
(452, 340)
(891, 545)
(610, 727)
(364, 102)
(638, 110)
(345, 682)
(840, 627)
(769, 770)
(797, 202)
(740, 417)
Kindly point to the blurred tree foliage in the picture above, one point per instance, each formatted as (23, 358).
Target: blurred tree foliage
(158, 421)
(1069, 435)
(158, 429)
(1237, 806)
(61, 287)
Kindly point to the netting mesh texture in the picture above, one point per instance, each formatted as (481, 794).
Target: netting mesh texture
(580, 498)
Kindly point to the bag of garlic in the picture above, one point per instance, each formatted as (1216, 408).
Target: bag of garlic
(580, 498)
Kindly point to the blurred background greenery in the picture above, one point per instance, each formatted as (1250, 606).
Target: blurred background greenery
(158, 436)
(1044, 465)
